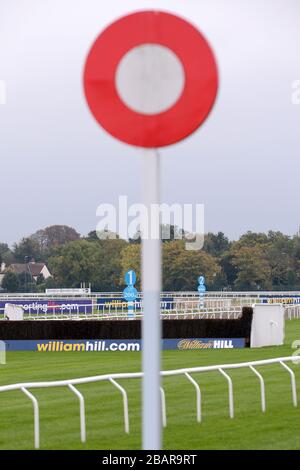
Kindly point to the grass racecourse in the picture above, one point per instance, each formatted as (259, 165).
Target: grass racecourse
(278, 428)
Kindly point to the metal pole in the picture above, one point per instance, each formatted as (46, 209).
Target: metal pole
(151, 283)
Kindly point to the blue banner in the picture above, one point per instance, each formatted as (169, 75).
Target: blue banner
(43, 306)
(117, 304)
(284, 299)
(114, 304)
(203, 343)
(100, 345)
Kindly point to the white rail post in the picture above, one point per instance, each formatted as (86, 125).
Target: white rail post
(230, 392)
(163, 407)
(151, 284)
(2, 352)
(125, 404)
(36, 417)
(82, 412)
(293, 383)
(198, 396)
(262, 388)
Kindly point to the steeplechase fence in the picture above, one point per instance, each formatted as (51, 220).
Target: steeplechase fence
(187, 372)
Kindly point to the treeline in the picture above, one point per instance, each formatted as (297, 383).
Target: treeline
(257, 261)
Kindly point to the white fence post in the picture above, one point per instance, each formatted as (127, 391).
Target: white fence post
(262, 389)
(293, 383)
(36, 417)
(2, 353)
(82, 412)
(230, 392)
(198, 396)
(125, 403)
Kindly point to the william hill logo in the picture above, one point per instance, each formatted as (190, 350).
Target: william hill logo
(210, 344)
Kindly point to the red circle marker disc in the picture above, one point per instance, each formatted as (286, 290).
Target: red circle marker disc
(192, 106)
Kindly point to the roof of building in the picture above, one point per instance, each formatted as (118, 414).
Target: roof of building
(33, 268)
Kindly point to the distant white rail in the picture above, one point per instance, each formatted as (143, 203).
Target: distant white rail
(171, 294)
(112, 378)
(292, 311)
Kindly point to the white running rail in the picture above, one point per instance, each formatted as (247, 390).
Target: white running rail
(183, 308)
(112, 378)
(292, 312)
(179, 308)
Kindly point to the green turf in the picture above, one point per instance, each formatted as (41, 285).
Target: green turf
(278, 428)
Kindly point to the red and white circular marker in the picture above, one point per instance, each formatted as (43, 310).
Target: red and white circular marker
(150, 79)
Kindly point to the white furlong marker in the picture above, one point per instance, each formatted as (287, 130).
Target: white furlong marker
(150, 80)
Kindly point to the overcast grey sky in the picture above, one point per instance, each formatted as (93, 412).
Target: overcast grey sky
(57, 165)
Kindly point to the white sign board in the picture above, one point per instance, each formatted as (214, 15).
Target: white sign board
(13, 312)
(79, 291)
(267, 325)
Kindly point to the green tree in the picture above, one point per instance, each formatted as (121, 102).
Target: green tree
(10, 282)
(92, 236)
(254, 271)
(171, 232)
(95, 262)
(181, 267)
(282, 261)
(219, 281)
(252, 239)
(26, 282)
(216, 245)
(229, 269)
(168, 233)
(6, 255)
(103, 235)
(131, 259)
(109, 271)
(53, 236)
(27, 250)
(75, 263)
(42, 284)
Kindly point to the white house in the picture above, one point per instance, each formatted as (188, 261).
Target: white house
(32, 268)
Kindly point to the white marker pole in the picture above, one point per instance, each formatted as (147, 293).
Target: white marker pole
(151, 283)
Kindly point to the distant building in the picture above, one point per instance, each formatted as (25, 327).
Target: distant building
(32, 268)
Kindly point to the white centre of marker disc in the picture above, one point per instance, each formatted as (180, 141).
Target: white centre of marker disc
(150, 78)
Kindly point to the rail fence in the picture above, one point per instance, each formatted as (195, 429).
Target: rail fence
(69, 293)
(292, 311)
(118, 310)
(186, 372)
(175, 309)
